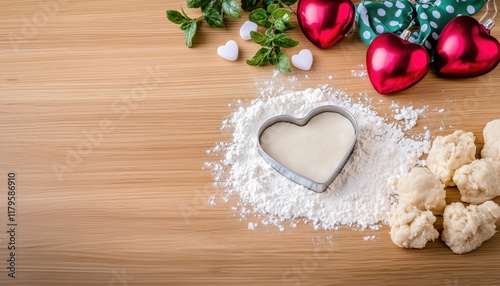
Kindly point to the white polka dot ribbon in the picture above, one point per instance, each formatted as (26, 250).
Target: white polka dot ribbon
(393, 16)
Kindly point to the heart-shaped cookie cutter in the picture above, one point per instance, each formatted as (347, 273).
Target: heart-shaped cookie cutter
(311, 184)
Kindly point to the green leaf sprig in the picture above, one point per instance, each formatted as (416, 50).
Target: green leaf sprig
(213, 12)
(250, 5)
(277, 21)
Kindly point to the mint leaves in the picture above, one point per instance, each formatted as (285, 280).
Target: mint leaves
(250, 5)
(277, 21)
(213, 12)
(269, 14)
(188, 25)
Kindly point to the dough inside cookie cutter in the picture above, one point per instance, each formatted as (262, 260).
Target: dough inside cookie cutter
(267, 137)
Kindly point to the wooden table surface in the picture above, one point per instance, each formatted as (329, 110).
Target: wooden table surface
(105, 120)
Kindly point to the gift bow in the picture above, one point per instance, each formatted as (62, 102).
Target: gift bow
(393, 16)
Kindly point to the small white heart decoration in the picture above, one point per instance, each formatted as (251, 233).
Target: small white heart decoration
(229, 51)
(246, 28)
(303, 60)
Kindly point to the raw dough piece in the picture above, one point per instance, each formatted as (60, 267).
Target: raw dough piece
(478, 181)
(411, 227)
(466, 228)
(491, 135)
(421, 188)
(448, 153)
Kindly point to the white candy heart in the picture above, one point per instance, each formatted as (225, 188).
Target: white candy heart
(246, 28)
(229, 51)
(303, 60)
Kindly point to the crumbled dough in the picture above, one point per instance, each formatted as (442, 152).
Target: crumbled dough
(411, 227)
(422, 189)
(466, 228)
(478, 181)
(491, 135)
(448, 153)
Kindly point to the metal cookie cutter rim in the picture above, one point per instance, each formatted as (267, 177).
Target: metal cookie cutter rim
(311, 184)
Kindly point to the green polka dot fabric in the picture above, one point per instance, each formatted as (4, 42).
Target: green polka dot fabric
(393, 16)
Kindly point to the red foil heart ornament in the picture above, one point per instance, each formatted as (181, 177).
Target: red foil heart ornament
(325, 22)
(465, 48)
(394, 64)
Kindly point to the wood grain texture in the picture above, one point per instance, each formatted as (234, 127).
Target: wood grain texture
(105, 119)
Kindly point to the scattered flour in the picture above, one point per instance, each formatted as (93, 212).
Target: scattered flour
(361, 196)
(361, 73)
(407, 114)
(252, 225)
(369, 237)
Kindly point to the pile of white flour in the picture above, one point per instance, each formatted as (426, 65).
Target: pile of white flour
(361, 196)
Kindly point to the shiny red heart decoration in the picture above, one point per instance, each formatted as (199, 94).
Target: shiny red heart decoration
(465, 48)
(394, 64)
(325, 22)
